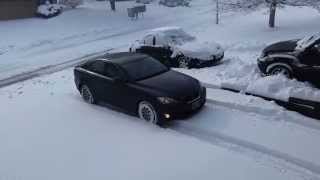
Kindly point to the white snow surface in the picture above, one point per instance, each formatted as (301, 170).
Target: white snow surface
(24, 48)
(48, 132)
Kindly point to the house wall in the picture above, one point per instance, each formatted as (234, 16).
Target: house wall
(14, 9)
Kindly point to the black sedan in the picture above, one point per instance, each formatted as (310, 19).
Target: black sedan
(140, 85)
(294, 58)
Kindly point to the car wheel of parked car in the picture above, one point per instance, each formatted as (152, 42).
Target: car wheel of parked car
(183, 62)
(280, 69)
(87, 94)
(147, 112)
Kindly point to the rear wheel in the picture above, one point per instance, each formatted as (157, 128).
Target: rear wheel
(183, 62)
(147, 112)
(87, 94)
(280, 69)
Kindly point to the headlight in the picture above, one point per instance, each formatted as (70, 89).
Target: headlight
(166, 100)
(263, 54)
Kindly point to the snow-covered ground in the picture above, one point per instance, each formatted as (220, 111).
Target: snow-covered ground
(48, 132)
(33, 43)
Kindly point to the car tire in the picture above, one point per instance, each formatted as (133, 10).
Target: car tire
(148, 113)
(280, 69)
(87, 95)
(183, 62)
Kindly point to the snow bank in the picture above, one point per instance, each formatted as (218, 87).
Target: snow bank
(49, 10)
(243, 76)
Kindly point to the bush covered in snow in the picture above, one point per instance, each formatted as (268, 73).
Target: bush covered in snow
(71, 3)
(49, 10)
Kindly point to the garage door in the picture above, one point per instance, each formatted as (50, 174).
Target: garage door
(13, 9)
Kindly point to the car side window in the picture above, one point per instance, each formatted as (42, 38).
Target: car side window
(149, 40)
(111, 71)
(97, 67)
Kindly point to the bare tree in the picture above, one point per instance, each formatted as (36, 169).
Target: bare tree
(113, 5)
(272, 15)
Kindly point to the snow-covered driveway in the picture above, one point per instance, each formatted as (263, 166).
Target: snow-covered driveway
(48, 132)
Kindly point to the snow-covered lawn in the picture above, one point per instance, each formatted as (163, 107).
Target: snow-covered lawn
(48, 132)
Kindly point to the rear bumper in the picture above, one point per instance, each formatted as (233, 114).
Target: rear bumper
(183, 109)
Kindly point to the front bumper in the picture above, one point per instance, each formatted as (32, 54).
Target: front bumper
(207, 63)
(182, 109)
(262, 64)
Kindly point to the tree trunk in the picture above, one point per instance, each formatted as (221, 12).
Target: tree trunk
(113, 5)
(272, 17)
(217, 11)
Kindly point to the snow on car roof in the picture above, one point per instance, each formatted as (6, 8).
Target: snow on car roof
(307, 41)
(167, 28)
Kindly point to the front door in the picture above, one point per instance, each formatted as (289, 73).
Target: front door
(311, 61)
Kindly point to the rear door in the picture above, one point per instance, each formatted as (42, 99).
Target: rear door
(157, 50)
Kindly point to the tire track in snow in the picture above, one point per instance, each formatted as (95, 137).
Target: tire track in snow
(261, 153)
(48, 69)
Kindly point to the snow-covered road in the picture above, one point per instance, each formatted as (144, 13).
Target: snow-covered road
(47, 131)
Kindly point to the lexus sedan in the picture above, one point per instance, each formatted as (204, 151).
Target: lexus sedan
(140, 85)
(299, 58)
(175, 48)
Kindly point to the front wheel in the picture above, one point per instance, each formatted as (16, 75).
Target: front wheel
(87, 94)
(280, 69)
(147, 112)
(183, 62)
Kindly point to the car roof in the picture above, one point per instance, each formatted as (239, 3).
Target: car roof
(122, 57)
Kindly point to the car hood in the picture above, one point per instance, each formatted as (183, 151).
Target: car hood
(283, 46)
(199, 50)
(174, 85)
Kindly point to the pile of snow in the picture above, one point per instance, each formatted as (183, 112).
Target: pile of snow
(240, 75)
(49, 10)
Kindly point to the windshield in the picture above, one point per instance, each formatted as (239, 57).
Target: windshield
(307, 41)
(144, 68)
(178, 36)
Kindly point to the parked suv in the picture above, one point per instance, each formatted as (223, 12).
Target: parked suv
(294, 58)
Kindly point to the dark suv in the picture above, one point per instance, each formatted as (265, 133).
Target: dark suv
(295, 58)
